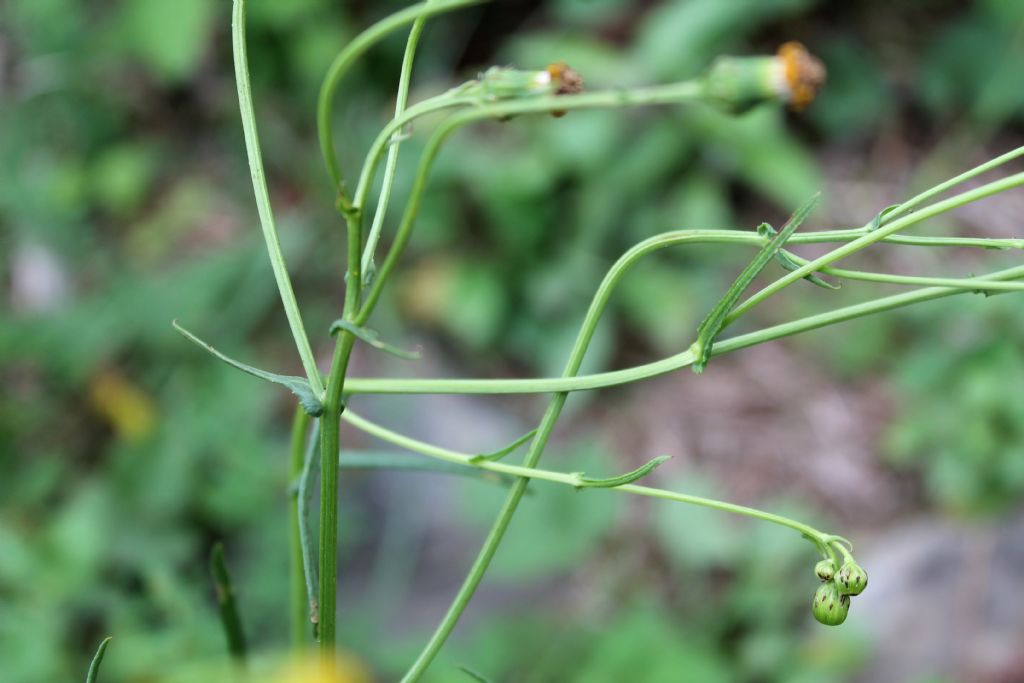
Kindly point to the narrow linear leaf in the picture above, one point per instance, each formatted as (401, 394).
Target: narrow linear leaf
(712, 324)
(499, 454)
(229, 617)
(627, 478)
(392, 460)
(297, 385)
(480, 678)
(879, 220)
(372, 337)
(94, 667)
(786, 260)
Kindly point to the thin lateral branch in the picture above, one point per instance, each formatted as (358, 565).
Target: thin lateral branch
(573, 479)
(259, 185)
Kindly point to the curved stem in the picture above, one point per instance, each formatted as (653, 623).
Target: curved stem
(677, 361)
(393, 128)
(664, 94)
(533, 456)
(349, 55)
(952, 182)
(259, 184)
(392, 163)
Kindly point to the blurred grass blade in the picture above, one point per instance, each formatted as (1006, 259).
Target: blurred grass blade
(94, 667)
(627, 478)
(479, 678)
(713, 323)
(372, 337)
(229, 617)
(501, 453)
(297, 385)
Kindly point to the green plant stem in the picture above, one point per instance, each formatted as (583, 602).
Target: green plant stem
(329, 437)
(847, 234)
(533, 456)
(870, 238)
(670, 93)
(921, 198)
(391, 165)
(349, 55)
(329, 447)
(394, 127)
(259, 184)
(551, 415)
(680, 360)
(296, 463)
(970, 284)
(574, 479)
(665, 94)
(407, 462)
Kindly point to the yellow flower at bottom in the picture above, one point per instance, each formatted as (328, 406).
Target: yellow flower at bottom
(345, 669)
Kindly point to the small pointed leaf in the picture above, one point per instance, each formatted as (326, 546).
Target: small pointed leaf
(879, 220)
(499, 454)
(787, 261)
(297, 385)
(372, 337)
(627, 478)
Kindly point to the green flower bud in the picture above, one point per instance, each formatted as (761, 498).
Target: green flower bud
(793, 76)
(851, 579)
(825, 570)
(829, 607)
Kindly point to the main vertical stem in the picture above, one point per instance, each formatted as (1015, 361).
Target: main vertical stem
(330, 448)
(299, 602)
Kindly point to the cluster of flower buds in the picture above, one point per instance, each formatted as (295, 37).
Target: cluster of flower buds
(832, 599)
(793, 75)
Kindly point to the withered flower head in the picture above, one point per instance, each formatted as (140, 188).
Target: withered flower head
(566, 81)
(803, 74)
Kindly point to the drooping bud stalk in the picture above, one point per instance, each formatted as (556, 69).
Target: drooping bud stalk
(851, 579)
(825, 570)
(505, 83)
(793, 76)
(829, 606)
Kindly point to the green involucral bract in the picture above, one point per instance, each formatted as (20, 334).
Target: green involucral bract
(830, 607)
(851, 579)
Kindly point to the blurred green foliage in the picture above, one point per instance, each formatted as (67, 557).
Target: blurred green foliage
(126, 453)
